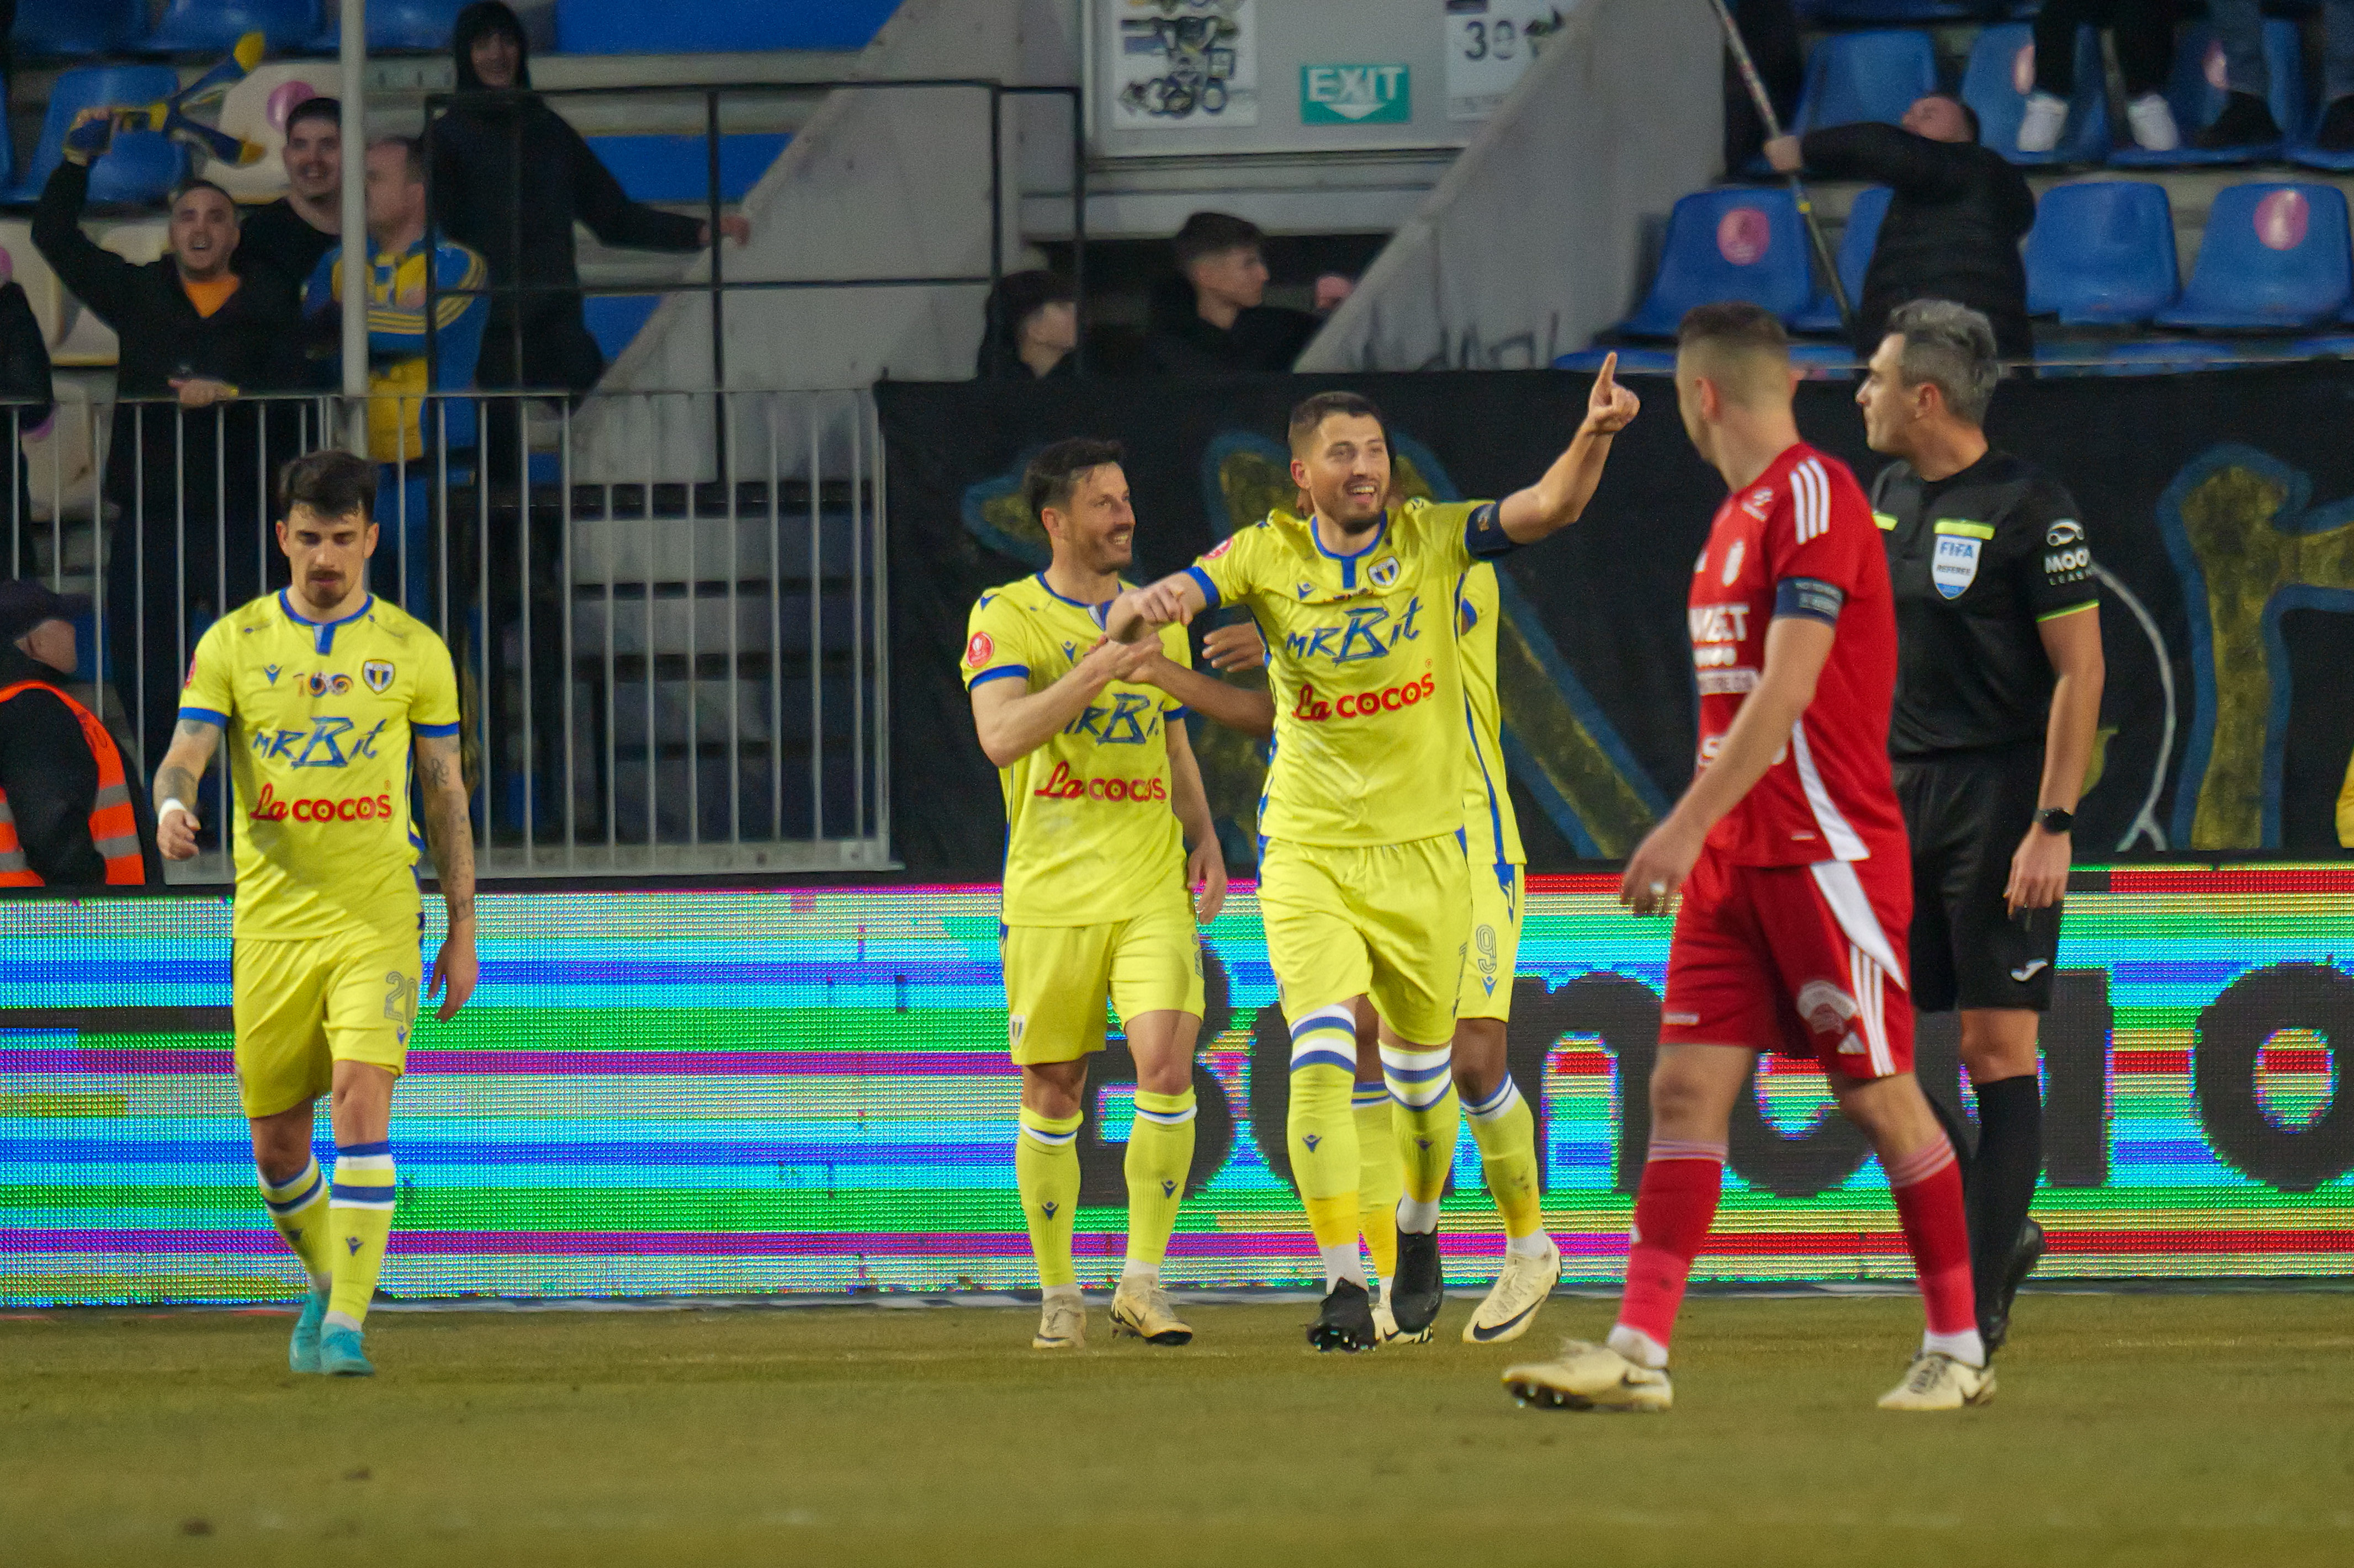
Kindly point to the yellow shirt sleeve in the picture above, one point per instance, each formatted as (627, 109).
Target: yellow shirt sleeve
(2346, 810)
(1447, 526)
(211, 692)
(997, 642)
(433, 711)
(1227, 572)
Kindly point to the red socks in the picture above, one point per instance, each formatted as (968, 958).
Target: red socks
(1927, 1185)
(1673, 1209)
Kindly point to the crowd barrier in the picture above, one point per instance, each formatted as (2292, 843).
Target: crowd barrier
(665, 608)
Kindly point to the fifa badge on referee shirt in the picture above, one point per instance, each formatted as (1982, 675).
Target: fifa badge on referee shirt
(1955, 564)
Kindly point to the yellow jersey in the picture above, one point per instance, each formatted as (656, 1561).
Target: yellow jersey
(1091, 832)
(318, 716)
(1487, 802)
(1369, 714)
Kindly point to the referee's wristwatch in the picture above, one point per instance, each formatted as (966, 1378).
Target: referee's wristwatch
(2052, 820)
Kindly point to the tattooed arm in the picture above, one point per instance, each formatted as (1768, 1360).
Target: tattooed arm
(193, 741)
(450, 832)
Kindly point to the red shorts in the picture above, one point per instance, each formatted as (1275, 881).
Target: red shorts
(1799, 959)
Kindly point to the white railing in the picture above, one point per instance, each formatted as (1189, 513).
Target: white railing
(666, 609)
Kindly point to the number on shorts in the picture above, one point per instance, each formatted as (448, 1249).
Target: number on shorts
(400, 997)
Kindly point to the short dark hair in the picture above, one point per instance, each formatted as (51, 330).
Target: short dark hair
(1732, 323)
(412, 154)
(330, 482)
(318, 106)
(1208, 233)
(1310, 412)
(1054, 471)
(186, 186)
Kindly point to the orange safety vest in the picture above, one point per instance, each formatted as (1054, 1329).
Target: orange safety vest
(112, 828)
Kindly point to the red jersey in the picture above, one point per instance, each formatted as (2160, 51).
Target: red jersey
(1799, 540)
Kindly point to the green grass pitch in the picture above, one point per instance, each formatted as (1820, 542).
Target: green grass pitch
(2149, 1430)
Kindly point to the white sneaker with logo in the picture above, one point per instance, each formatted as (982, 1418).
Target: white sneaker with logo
(1938, 1382)
(1512, 1304)
(1590, 1377)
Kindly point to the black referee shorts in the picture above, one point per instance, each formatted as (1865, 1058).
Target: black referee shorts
(1965, 812)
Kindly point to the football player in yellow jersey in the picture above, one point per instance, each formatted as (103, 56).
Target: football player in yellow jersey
(324, 691)
(1101, 790)
(1364, 884)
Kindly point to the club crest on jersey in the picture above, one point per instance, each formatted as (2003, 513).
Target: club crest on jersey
(1733, 559)
(1955, 564)
(378, 674)
(1384, 572)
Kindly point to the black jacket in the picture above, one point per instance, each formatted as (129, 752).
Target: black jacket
(277, 235)
(252, 341)
(26, 387)
(486, 152)
(1952, 232)
(1264, 338)
(51, 781)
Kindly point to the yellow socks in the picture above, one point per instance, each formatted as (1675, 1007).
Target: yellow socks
(297, 1207)
(1506, 1131)
(1379, 1181)
(1426, 1118)
(1046, 1171)
(1321, 1132)
(359, 1214)
(1160, 1152)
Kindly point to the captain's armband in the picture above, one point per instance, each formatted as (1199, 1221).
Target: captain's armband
(1809, 598)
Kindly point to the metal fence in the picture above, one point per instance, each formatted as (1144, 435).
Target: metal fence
(666, 609)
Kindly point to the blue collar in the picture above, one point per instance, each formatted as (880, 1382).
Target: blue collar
(322, 632)
(1348, 562)
(1095, 609)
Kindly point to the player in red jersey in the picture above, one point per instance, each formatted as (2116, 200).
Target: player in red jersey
(1789, 849)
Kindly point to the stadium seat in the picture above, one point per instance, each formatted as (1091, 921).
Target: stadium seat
(1862, 232)
(77, 29)
(2160, 356)
(1731, 244)
(1631, 361)
(212, 27)
(2101, 252)
(2000, 74)
(677, 168)
(1853, 76)
(615, 319)
(410, 25)
(631, 26)
(2197, 93)
(143, 165)
(2274, 255)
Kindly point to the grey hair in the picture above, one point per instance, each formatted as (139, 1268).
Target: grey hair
(1951, 347)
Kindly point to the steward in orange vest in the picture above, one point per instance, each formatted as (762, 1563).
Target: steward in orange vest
(69, 812)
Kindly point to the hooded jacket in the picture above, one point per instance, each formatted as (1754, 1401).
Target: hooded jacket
(1264, 338)
(489, 152)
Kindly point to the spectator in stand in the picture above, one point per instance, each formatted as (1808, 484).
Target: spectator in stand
(71, 815)
(292, 232)
(493, 155)
(2247, 117)
(1953, 227)
(188, 464)
(1211, 318)
(2144, 34)
(1030, 325)
(406, 432)
(29, 400)
(1769, 30)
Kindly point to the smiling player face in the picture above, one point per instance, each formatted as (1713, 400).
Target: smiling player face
(1097, 532)
(329, 557)
(1345, 467)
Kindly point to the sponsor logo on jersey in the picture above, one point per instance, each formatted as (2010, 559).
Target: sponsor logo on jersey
(2068, 565)
(1314, 709)
(1954, 567)
(1717, 623)
(1062, 784)
(1384, 572)
(270, 673)
(2066, 532)
(1130, 718)
(1733, 558)
(1306, 588)
(323, 682)
(378, 674)
(323, 744)
(1367, 634)
(272, 808)
(977, 651)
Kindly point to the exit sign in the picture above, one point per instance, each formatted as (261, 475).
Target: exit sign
(1355, 95)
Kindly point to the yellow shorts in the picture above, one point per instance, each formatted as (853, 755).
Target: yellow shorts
(1494, 952)
(1386, 922)
(1059, 978)
(303, 1006)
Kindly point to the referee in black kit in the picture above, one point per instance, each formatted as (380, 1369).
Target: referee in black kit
(1998, 693)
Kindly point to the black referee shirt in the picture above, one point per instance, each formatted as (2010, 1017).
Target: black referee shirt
(1977, 560)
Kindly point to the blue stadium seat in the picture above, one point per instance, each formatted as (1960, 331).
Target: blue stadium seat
(2155, 356)
(633, 27)
(2002, 73)
(615, 319)
(677, 168)
(1862, 232)
(1631, 361)
(1853, 76)
(77, 29)
(2101, 252)
(143, 165)
(2196, 91)
(408, 26)
(212, 27)
(2274, 255)
(1738, 243)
